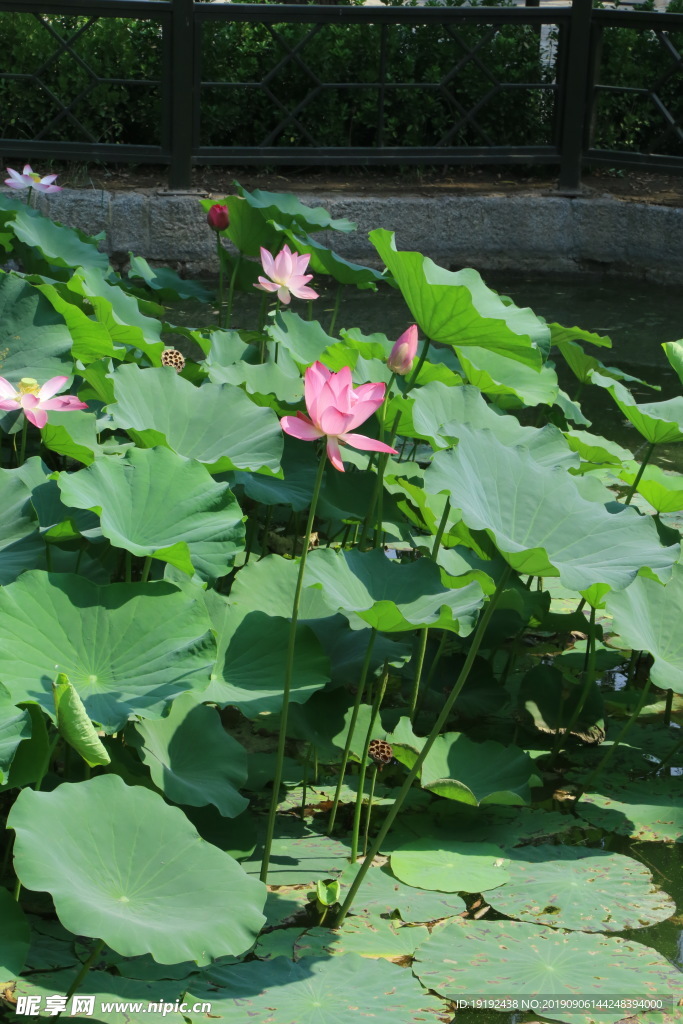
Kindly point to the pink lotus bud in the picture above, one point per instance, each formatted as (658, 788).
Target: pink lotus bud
(218, 217)
(404, 351)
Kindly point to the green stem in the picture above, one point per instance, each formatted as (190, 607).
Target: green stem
(262, 319)
(609, 754)
(266, 530)
(379, 531)
(416, 372)
(289, 672)
(219, 254)
(304, 785)
(231, 289)
(669, 707)
(379, 484)
(589, 678)
(429, 743)
(129, 566)
(145, 568)
(76, 983)
(634, 486)
(364, 762)
(368, 814)
(335, 311)
(22, 448)
(424, 632)
(352, 725)
(432, 670)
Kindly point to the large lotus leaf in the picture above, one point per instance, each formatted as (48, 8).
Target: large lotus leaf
(291, 212)
(21, 546)
(305, 340)
(60, 246)
(538, 518)
(14, 936)
(192, 759)
(382, 894)
(370, 937)
(477, 773)
(582, 890)
(560, 334)
(459, 309)
(673, 350)
(91, 339)
(657, 422)
(168, 283)
(596, 449)
(497, 373)
(119, 312)
(299, 464)
(326, 990)
(546, 703)
(647, 617)
(116, 999)
(251, 659)
(645, 747)
(32, 754)
(127, 648)
(584, 365)
(268, 586)
(123, 866)
(153, 502)
(648, 810)
(508, 959)
(664, 491)
(215, 424)
(437, 407)
(73, 434)
(281, 379)
(298, 855)
(36, 338)
(392, 597)
(15, 726)
(505, 826)
(450, 865)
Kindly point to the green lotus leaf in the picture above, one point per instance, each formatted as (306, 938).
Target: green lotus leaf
(153, 888)
(119, 312)
(459, 309)
(369, 937)
(14, 936)
(508, 959)
(596, 449)
(91, 339)
(326, 990)
(127, 648)
(584, 365)
(118, 994)
(304, 340)
(545, 702)
(281, 379)
(570, 410)
(192, 759)
(291, 212)
(298, 855)
(251, 659)
(21, 546)
(438, 409)
(477, 773)
(673, 350)
(582, 890)
(657, 422)
(326, 261)
(169, 285)
(37, 340)
(497, 373)
(155, 503)
(268, 586)
(505, 826)
(648, 810)
(59, 245)
(647, 617)
(560, 334)
(73, 434)
(31, 756)
(450, 865)
(215, 424)
(382, 894)
(249, 229)
(74, 724)
(539, 520)
(299, 464)
(392, 597)
(15, 726)
(664, 491)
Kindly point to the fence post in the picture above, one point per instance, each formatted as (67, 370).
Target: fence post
(576, 92)
(182, 91)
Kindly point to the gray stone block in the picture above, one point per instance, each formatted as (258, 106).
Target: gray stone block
(129, 224)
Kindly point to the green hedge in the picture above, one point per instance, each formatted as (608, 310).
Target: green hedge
(240, 113)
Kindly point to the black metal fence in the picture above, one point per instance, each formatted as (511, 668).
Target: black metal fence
(470, 104)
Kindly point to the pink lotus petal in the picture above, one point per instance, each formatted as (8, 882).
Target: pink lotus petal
(27, 170)
(48, 179)
(64, 403)
(267, 262)
(8, 403)
(16, 184)
(37, 417)
(371, 393)
(333, 422)
(40, 187)
(265, 285)
(6, 389)
(300, 292)
(51, 387)
(367, 444)
(283, 295)
(334, 454)
(300, 426)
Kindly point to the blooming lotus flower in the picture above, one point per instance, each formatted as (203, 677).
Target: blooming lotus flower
(218, 217)
(335, 407)
(286, 275)
(404, 351)
(34, 399)
(29, 179)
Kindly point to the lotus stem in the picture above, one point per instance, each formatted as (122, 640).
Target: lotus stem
(335, 310)
(219, 254)
(424, 632)
(145, 568)
(76, 983)
(304, 785)
(379, 531)
(381, 687)
(429, 743)
(416, 372)
(368, 814)
(128, 559)
(589, 678)
(22, 446)
(634, 486)
(231, 289)
(352, 726)
(432, 669)
(609, 754)
(379, 481)
(289, 672)
(668, 707)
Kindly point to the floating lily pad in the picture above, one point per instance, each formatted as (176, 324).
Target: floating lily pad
(368, 937)
(315, 990)
(649, 810)
(118, 992)
(583, 890)
(507, 959)
(156, 888)
(382, 894)
(299, 854)
(450, 865)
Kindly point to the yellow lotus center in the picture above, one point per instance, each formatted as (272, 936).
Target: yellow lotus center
(28, 386)
(36, 177)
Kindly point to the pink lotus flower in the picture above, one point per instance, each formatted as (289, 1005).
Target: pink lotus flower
(404, 351)
(286, 275)
(34, 400)
(334, 408)
(29, 179)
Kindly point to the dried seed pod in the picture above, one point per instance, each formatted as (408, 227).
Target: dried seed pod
(172, 357)
(381, 753)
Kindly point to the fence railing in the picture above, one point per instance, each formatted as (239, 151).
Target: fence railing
(469, 106)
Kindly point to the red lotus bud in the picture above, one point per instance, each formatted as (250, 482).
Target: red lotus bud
(218, 217)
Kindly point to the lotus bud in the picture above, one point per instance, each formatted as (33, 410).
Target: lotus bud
(218, 217)
(400, 360)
